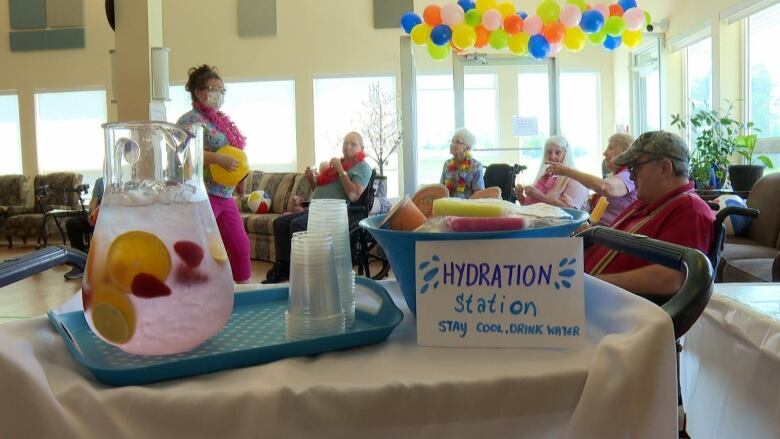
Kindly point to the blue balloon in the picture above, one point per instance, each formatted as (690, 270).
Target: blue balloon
(522, 15)
(592, 21)
(612, 43)
(627, 4)
(441, 35)
(409, 21)
(539, 46)
(467, 5)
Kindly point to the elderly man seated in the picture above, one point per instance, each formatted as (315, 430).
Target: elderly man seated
(667, 208)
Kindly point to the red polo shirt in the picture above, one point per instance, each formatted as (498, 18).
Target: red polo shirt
(687, 220)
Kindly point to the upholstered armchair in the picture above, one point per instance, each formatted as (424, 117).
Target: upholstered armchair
(13, 197)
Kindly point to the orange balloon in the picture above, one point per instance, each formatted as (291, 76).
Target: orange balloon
(455, 48)
(513, 24)
(483, 35)
(432, 15)
(554, 32)
(615, 11)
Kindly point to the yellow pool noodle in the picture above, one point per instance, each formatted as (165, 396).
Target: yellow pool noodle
(598, 210)
(484, 208)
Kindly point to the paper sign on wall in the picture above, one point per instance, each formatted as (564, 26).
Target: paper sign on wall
(508, 293)
(525, 126)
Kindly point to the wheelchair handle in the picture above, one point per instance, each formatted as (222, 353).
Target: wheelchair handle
(38, 261)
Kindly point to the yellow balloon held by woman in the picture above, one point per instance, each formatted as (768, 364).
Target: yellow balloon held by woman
(230, 178)
(464, 36)
(518, 43)
(632, 38)
(575, 39)
(420, 34)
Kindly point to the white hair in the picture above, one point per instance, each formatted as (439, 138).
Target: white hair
(465, 136)
(568, 157)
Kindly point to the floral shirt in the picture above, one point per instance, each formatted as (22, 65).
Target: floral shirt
(213, 140)
(463, 179)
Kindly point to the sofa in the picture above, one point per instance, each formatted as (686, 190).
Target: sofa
(282, 187)
(755, 255)
(13, 197)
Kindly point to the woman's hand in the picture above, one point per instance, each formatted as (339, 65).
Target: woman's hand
(557, 168)
(536, 194)
(336, 163)
(225, 161)
(92, 218)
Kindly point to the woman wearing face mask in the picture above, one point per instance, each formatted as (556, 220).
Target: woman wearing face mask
(550, 188)
(208, 93)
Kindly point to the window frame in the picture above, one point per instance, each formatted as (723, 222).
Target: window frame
(636, 89)
(20, 151)
(765, 145)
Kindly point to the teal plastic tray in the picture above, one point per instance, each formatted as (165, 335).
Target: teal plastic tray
(255, 334)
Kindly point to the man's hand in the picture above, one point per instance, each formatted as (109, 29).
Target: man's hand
(336, 163)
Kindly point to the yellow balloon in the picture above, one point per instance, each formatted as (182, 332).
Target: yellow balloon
(230, 178)
(464, 36)
(518, 43)
(420, 34)
(574, 39)
(506, 9)
(632, 38)
(484, 5)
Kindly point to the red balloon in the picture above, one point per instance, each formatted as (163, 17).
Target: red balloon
(483, 35)
(432, 15)
(554, 32)
(615, 11)
(513, 24)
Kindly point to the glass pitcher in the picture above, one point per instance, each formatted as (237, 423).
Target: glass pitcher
(157, 279)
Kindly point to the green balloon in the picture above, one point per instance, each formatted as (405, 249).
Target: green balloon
(548, 11)
(473, 17)
(579, 3)
(438, 52)
(499, 39)
(615, 26)
(599, 37)
(648, 20)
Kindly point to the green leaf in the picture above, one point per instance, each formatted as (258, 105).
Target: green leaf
(767, 161)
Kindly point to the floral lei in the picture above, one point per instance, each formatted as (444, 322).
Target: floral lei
(223, 124)
(329, 175)
(454, 168)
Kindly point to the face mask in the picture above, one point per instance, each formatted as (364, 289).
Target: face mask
(215, 99)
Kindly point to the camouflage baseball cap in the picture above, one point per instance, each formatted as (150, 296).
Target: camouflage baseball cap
(658, 143)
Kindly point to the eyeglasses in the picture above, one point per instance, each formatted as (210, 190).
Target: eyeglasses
(211, 88)
(632, 168)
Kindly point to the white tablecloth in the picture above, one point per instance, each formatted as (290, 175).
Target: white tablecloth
(731, 365)
(622, 385)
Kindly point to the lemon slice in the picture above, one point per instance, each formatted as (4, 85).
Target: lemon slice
(137, 252)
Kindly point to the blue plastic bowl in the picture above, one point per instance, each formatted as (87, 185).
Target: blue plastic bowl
(400, 246)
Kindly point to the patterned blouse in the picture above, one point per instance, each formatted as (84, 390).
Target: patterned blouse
(213, 139)
(463, 179)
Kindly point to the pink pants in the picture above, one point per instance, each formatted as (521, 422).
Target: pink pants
(231, 228)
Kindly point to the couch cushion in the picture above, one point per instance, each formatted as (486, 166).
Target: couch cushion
(748, 270)
(763, 196)
(301, 188)
(260, 224)
(252, 181)
(743, 248)
(282, 194)
(13, 190)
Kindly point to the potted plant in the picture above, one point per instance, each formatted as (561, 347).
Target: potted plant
(744, 176)
(381, 125)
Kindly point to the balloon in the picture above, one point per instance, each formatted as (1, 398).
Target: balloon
(615, 11)
(581, 4)
(574, 39)
(441, 35)
(549, 11)
(538, 46)
(612, 43)
(473, 18)
(499, 39)
(421, 33)
(467, 5)
(554, 32)
(598, 38)
(635, 19)
(483, 36)
(513, 24)
(648, 19)
(533, 25)
(410, 20)
(484, 5)
(518, 43)
(627, 4)
(432, 15)
(506, 9)
(615, 26)
(555, 49)
(523, 15)
(604, 9)
(570, 15)
(438, 52)
(464, 36)
(492, 20)
(632, 38)
(455, 48)
(230, 178)
(592, 21)
(452, 14)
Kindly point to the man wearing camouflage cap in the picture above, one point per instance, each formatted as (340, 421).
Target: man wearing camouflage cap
(667, 208)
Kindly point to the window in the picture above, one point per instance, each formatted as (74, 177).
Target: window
(698, 77)
(69, 134)
(264, 111)
(580, 119)
(763, 30)
(340, 106)
(646, 88)
(11, 147)
(533, 101)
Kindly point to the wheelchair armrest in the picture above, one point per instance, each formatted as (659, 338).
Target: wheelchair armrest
(38, 261)
(689, 302)
(735, 210)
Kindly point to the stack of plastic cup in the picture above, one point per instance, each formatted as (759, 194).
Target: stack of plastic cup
(330, 216)
(314, 308)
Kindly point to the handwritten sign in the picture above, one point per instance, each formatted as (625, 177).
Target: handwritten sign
(524, 126)
(508, 293)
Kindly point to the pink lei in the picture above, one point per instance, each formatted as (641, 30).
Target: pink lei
(223, 124)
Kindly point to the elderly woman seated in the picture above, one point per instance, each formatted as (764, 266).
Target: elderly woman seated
(462, 174)
(553, 189)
